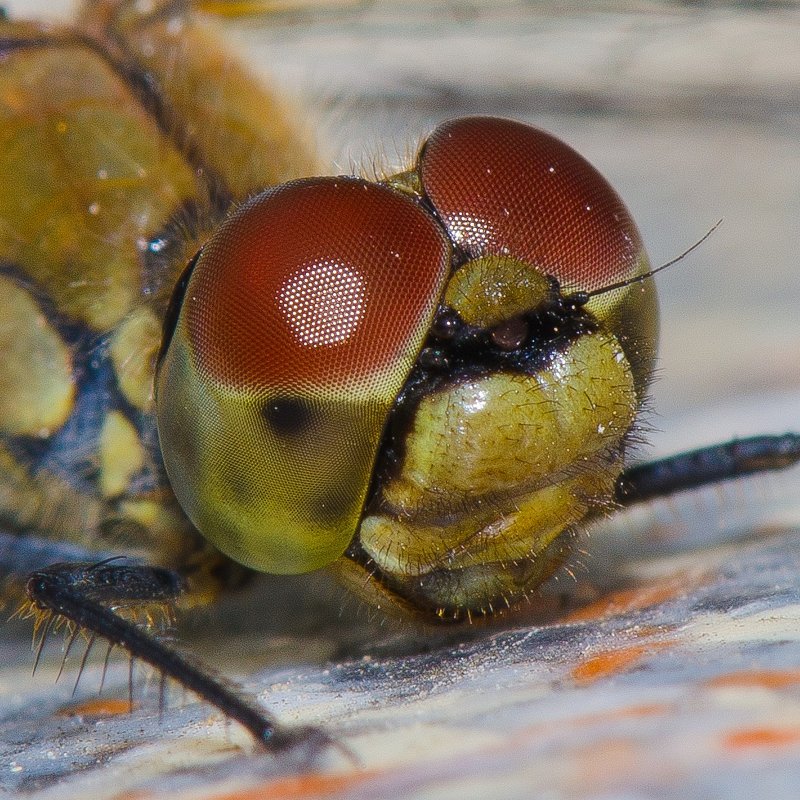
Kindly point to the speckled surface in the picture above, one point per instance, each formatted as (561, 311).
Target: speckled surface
(671, 666)
(682, 682)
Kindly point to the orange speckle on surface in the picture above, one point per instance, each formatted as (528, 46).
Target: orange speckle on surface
(642, 710)
(626, 601)
(294, 787)
(761, 678)
(298, 786)
(612, 662)
(99, 707)
(753, 738)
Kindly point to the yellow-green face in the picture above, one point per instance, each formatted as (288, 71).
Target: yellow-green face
(394, 378)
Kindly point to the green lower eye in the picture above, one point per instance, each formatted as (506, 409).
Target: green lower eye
(292, 343)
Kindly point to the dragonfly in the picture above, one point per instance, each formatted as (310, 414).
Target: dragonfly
(193, 383)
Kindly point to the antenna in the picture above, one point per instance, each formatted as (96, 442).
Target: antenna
(581, 298)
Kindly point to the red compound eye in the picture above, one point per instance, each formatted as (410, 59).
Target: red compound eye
(328, 304)
(504, 188)
(300, 322)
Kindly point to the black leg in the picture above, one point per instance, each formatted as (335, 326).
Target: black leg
(81, 593)
(705, 466)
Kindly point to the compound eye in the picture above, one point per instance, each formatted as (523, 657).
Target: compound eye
(505, 188)
(302, 318)
(316, 286)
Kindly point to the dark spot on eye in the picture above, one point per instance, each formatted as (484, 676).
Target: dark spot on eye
(288, 417)
(510, 335)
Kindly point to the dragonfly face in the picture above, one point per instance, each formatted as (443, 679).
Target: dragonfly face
(412, 339)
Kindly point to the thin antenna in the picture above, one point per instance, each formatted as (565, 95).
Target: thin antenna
(581, 298)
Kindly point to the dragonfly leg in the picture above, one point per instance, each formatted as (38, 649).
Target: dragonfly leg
(85, 594)
(707, 465)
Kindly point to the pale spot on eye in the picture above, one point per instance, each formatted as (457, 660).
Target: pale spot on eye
(323, 303)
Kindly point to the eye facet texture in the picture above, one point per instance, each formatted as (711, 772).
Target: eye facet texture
(341, 275)
(505, 188)
(300, 323)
